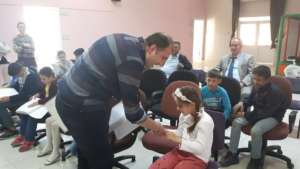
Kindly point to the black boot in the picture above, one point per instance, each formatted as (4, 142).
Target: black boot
(255, 164)
(229, 159)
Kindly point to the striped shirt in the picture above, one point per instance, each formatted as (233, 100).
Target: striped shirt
(112, 66)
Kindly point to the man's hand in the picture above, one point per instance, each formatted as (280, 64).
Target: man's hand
(4, 99)
(157, 128)
(240, 114)
(172, 136)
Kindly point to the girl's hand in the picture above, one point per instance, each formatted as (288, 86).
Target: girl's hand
(172, 136)
(33, 104)
(34, 96)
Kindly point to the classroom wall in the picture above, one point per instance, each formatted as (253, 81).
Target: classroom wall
(82, 22)
(218, 31)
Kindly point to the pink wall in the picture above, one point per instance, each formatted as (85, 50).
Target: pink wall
(85, 21)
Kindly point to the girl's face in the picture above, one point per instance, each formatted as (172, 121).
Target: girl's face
(185, 108)
(46, 80)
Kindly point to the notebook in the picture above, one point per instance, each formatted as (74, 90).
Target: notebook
(37, 112)
(7, 92)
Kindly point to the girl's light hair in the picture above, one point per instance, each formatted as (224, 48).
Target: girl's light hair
(190, 95)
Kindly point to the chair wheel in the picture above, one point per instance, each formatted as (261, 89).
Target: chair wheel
(290, 166)
(133, 159)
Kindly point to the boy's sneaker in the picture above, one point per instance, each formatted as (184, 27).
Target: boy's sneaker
(229, 159)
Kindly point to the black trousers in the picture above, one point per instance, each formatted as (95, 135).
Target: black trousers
(89, 127)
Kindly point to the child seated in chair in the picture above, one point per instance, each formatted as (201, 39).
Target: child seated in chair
(27, 83)
(214, 96)
(269, 104)
(194, 134)
(28, 124)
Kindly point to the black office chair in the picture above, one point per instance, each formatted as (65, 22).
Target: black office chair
(295, 105)
(153, 84)
(183, 75)
(121, 145)
(233, 88)
(201, 75)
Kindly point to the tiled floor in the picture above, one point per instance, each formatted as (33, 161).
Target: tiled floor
(11, 159)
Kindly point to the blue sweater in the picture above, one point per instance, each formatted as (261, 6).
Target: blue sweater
(216, 100)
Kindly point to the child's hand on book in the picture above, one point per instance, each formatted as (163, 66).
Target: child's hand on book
(33, 104)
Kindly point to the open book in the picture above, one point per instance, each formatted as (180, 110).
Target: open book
(7, 92)
(37, 112)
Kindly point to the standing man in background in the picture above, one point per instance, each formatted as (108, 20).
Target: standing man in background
(24, 47)
(112, 67)
(238, 65)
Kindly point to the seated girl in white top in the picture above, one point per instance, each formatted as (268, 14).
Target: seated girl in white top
(194, 134)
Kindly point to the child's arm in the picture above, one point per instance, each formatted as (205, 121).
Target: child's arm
(180, 127)
(203, 140)
(173, 136)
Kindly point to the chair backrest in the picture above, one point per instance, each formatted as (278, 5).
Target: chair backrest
(284, 85)
(201, 75)
(233, 88)
(168, 105)
(153, 80)
(219, 129)
(183, 75)
(295, 82)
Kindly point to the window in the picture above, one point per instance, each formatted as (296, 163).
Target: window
(43, 25)
(255, 31)
(198, 40)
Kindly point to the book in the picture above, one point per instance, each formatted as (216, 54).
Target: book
(37, 112)
(7, 92)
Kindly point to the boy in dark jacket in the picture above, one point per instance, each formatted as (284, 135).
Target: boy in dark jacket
(269, 104)
(27, 84)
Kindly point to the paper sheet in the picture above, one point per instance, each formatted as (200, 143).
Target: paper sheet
(37, 112)
(6, 92)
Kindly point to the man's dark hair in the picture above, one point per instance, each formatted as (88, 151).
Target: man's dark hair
(14, 69)
(177, 42)
(78, 52)
(47, 71)
(262, 71)
(161, 40)
(214, 73)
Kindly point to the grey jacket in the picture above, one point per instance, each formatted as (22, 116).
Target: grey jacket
(246, 64)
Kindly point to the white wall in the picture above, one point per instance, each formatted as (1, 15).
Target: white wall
(84, 21)
(218, 31)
